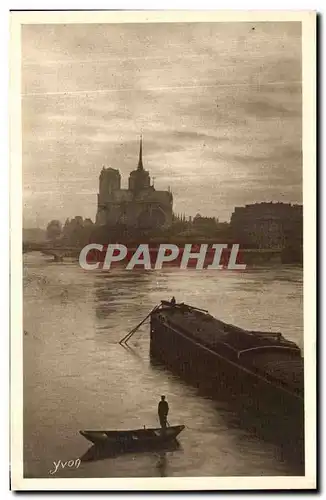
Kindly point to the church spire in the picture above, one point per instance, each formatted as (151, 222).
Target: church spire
(140, 161)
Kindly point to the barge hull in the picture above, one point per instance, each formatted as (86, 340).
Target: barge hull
(225, 380)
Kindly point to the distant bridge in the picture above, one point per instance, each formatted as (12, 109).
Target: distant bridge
(58, 252)
(250, 255)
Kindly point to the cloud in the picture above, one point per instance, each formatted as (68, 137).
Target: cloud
(219, 107)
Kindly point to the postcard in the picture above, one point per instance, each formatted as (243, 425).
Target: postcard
(163, 242)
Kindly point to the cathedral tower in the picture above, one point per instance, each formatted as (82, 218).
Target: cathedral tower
(140, 206)
(139, 179)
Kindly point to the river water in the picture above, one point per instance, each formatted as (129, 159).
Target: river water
(77, 376)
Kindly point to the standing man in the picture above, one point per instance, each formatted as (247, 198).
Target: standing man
(163, 410)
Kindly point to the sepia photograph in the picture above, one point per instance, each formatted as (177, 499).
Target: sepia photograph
(163, 250)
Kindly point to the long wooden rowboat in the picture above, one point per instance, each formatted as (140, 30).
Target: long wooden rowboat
(133, 438)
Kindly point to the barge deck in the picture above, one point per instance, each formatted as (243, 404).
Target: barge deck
(199, 344)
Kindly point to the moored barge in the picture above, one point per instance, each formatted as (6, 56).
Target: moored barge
(258, 367)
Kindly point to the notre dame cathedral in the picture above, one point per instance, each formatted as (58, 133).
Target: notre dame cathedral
(139, 206)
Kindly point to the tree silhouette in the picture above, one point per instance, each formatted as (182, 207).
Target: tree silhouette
(53, 230)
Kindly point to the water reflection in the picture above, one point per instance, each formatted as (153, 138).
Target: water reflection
(162, 464)
(131, 351)
(286, 431)
(97, 453)
(77, 376)
(126, 290)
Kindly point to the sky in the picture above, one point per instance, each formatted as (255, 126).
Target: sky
(218, 105)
